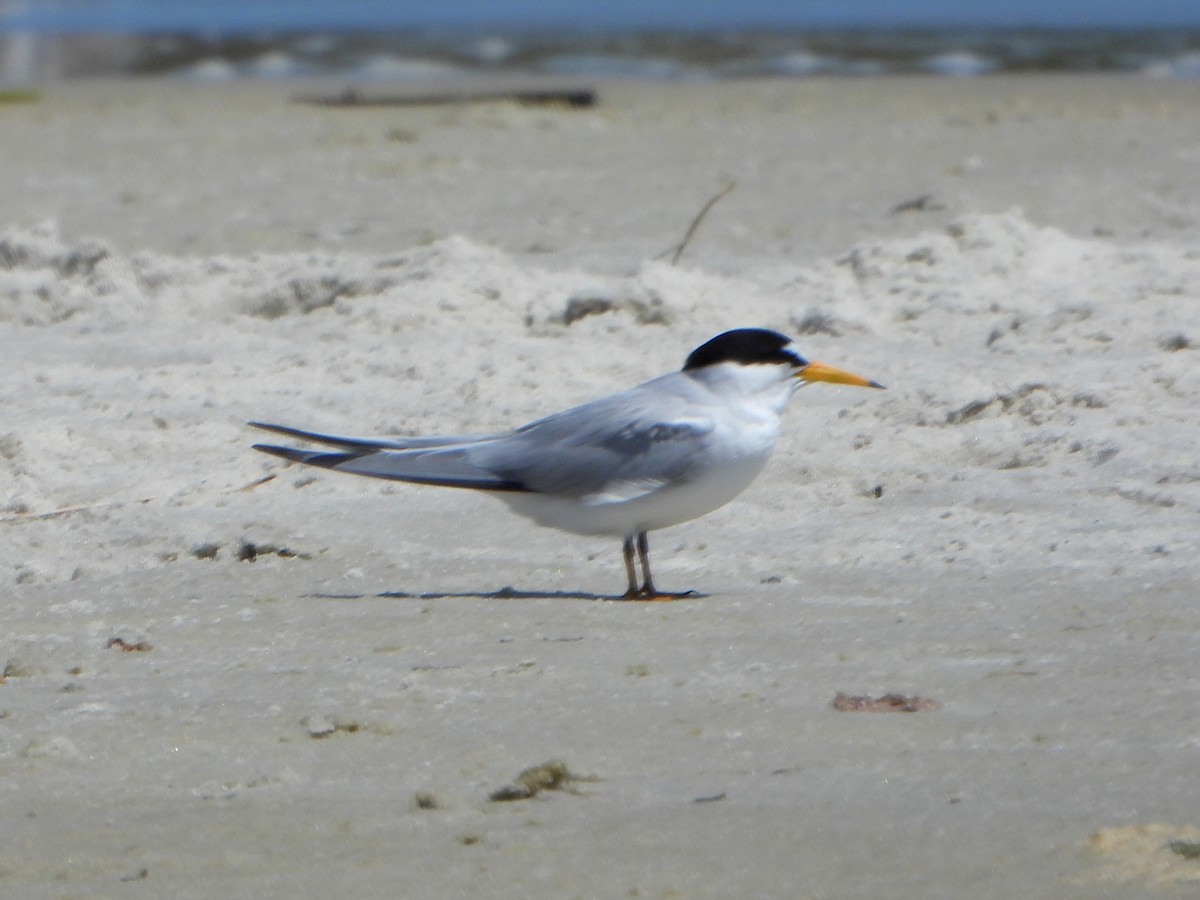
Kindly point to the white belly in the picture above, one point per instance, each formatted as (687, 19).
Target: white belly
(661, 508)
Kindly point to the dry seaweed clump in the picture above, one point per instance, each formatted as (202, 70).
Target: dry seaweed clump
(1186, 849)
(886, 703)
(426, 800)
(18, 95)
(553, 775)
(320, 727)
(128, 646)
(1155, 854)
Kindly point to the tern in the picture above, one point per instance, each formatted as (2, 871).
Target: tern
(667, 451)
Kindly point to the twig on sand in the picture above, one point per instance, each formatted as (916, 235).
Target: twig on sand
(246, 488)
(116, 504)
(55, 513)
(677, 250)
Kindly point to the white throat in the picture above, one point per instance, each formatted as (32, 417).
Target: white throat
(767, 388)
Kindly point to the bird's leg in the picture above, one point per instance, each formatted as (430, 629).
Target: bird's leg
(627, 549)
(643, 547)
(649, 591)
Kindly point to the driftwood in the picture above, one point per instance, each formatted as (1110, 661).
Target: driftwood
(575, 98)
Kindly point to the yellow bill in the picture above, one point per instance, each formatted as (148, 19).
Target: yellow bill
(818, 371)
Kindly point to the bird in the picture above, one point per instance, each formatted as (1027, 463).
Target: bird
(659, 454)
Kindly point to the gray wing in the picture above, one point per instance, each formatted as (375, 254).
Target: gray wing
(617, 448)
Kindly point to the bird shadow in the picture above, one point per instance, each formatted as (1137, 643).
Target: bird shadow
(505, 593)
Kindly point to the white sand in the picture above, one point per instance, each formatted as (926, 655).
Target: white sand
(1033, 561)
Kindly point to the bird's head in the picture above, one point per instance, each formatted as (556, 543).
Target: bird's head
(757, 360)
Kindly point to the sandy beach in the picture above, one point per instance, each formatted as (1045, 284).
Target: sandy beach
(225, 676)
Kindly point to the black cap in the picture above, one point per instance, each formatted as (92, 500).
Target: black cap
(747, 346)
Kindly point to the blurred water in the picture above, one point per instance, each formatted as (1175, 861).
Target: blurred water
(390, 41)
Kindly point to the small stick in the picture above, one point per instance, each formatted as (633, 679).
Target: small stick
(704, 210)
(253, 484)
(117, 504)
(55, 513)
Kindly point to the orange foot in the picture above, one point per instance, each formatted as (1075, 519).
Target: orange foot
(653, 595)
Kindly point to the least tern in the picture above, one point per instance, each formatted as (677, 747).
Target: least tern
(667, 451)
